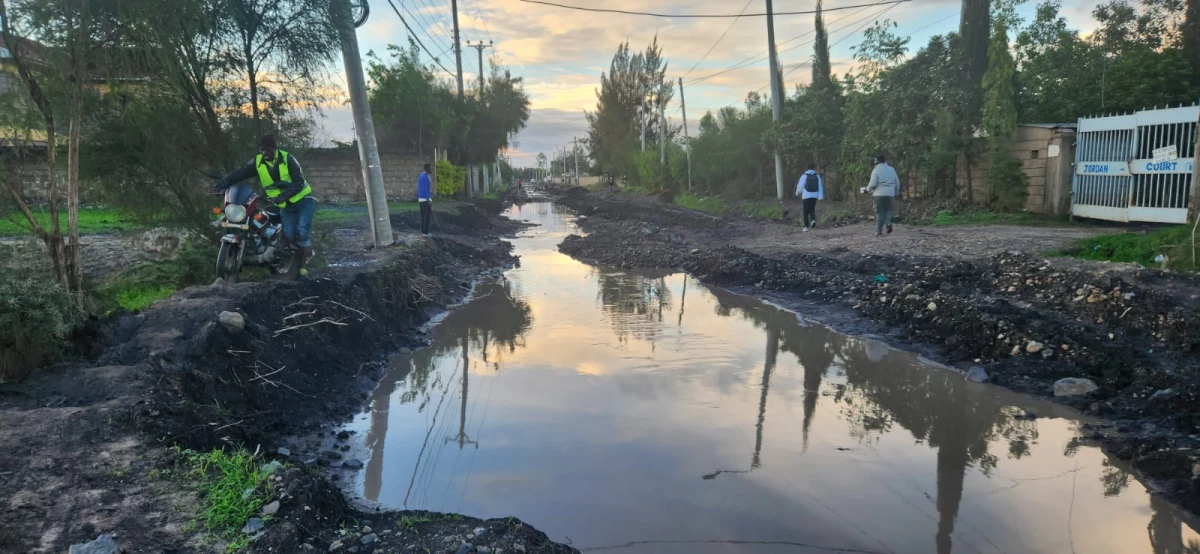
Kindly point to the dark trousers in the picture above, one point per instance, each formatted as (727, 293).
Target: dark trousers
(883, 212)
(426, 215)
(810, 212)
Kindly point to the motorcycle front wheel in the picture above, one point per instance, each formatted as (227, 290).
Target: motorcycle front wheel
(229, 262)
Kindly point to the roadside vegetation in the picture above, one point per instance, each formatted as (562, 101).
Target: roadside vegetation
(1167, 248)
(233, 486)
(936, 110)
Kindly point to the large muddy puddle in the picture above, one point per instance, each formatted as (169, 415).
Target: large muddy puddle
(644, 412)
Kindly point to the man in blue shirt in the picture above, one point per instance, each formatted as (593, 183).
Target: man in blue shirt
(425, 199)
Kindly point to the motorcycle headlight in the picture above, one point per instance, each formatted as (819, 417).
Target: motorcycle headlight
(235, 213)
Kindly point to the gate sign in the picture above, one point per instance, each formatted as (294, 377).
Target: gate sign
(1114, 169)
(1166, 153)
(1178, 165)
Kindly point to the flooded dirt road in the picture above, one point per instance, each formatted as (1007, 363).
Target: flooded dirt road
(643, 412)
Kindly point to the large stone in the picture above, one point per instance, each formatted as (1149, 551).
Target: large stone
(103, 544)
(368, 539)
(253, 525)
(1074, 386)
(271, 509)
(352, 464)
(232, 321)
(1034, 347)
(976, 374)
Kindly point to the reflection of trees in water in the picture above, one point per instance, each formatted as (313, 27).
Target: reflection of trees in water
(1166, 530)
(633, 303)
(493, 323)
(884, 390)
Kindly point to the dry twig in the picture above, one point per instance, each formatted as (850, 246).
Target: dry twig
(303, 325)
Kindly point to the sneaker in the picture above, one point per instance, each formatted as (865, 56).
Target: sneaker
(805, 230)
(889, 228)
(878, 234)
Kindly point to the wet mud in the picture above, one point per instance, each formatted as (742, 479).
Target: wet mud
(1025, 319)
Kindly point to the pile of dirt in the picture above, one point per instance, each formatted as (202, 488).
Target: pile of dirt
(1027, 320)
(307, 502)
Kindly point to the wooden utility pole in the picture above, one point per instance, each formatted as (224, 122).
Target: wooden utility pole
(687, 142)
(776, 94)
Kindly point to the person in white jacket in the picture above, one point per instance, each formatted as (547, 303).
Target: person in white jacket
(884, 186)
(810, 188)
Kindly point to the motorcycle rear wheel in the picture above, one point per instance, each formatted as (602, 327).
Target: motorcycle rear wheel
(229, 262)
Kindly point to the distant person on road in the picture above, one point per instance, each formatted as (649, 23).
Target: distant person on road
(884, 185)
(425, 199)
(810, 189)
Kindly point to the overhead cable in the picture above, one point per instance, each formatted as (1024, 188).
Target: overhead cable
(706, 16)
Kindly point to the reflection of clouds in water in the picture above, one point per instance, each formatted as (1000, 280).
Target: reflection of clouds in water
(598, 388)
(876, 350)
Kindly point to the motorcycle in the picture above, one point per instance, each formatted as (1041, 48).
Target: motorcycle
(253, 234)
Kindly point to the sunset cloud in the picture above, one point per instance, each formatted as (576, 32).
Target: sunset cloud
(561, 53)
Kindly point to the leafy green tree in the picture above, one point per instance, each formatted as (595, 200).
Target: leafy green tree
(274, 44)
(411, 108)
(634, 87)
(1008, 182)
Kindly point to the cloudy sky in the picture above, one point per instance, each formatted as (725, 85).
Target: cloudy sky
(561, 53)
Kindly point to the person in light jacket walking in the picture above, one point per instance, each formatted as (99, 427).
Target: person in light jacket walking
(884, 186)
(810, 188)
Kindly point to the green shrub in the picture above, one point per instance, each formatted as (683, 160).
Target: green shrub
(36, 318)
(710, 204)
(1010, 185)
(451, 179)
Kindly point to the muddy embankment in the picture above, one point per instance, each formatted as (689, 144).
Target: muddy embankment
(1027, 320)
(86, 447)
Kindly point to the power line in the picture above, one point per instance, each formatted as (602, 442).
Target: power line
(438, 14)
(418, 39)
(762, 55)
(701, 16)
(719, 39)
(423, 22)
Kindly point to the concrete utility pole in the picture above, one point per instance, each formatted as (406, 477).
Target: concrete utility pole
(364, 127)
(662, 132)
(687, 143)
(643, 114)
(457, 46)
(776, 94)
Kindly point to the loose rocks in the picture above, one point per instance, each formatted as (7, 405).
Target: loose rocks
(1074, 386)
(232, 321)
(104, 544)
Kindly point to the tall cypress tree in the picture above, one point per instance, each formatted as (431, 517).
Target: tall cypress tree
(822, 70)
(1007, 181)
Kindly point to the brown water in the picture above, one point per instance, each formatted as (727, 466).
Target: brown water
(643, 412)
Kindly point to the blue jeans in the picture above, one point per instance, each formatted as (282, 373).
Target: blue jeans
(297, 221)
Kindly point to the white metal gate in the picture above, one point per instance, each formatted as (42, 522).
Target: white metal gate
(1135, 167)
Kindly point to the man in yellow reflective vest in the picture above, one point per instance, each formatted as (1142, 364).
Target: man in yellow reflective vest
(283, 181)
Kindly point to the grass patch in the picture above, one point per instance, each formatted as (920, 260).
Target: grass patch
(763, 209)
(233, 487)
(147, 282)
(137, 297)
(407, 522)
(338, 214)
(91, 221)
(708, 204)
(1173, 243)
